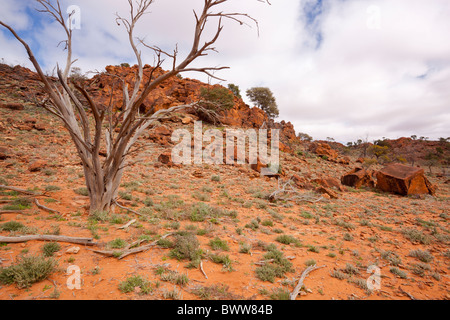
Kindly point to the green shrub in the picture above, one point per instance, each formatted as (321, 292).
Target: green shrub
(392, 257)
(219, 244)
(134, 282)
(348, 237)
(221, 259)
(117, 244)
(277, 266)
(398, 272)
(245, 248)
(217, 98)
(27, 270)
(50, 248)
(215, 178)
(414, 235)
(424, 256)
(52, 188)
(83, 191)
(287, 239)
(19, 204)
(310, 262)
(420, 268)
(186, 246)
(280, 294)
(11, 226)
(174, 277)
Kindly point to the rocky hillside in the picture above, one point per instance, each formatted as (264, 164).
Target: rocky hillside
(211, 232)
(23, 84)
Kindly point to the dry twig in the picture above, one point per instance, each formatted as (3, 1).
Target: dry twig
(286, 187)
(299, 286)
(40, 206)
(125, 226)
(128, 251)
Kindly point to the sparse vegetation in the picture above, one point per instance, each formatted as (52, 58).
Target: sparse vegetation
(276, 268)
(27, 270)
(216, 219)
(49, 249)
(136, 284)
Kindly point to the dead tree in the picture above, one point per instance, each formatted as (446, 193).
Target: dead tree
(119, 131)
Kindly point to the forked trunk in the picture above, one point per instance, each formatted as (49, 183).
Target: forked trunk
(102, 191)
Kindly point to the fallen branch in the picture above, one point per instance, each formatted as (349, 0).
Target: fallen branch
(263, 262)
(128, 209)
(20, 190)
(286, 188)
(299, 286)
(125, 226)
(127, 251)
(201, 269)
(407, 293)
(40, 206)
(10, 211)
(19, 239)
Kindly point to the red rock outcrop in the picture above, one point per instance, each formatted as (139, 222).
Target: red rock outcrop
(404, 180)
(323, 149)
(358, 178)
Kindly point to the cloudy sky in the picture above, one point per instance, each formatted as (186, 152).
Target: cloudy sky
(346, 69)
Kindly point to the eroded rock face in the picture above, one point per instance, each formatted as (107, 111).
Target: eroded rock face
(177, 91)
(404, 180)
(323, 150)
(358, 178)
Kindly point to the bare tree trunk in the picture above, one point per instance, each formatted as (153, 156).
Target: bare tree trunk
(125, 127)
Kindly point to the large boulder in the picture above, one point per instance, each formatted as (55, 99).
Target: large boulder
(358, 178)
(404, 180)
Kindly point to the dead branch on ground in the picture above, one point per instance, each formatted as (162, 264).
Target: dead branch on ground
(130, 250)
(286, 188)
(20, 239)
(31, 193)
(125, 226)
(10, 212)
(299, 286)
(40, 206)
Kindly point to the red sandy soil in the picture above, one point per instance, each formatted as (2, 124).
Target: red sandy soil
(373, 221)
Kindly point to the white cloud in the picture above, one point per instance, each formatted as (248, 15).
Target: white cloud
(391, 81)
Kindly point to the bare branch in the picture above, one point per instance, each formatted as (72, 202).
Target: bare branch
(299, 286)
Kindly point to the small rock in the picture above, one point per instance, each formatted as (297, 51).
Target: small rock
(328, 192)
(37, 165)
(186, 120)
(40, 126)
(73, 250)
(165, 158)
(197, 173)
(162, 130)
